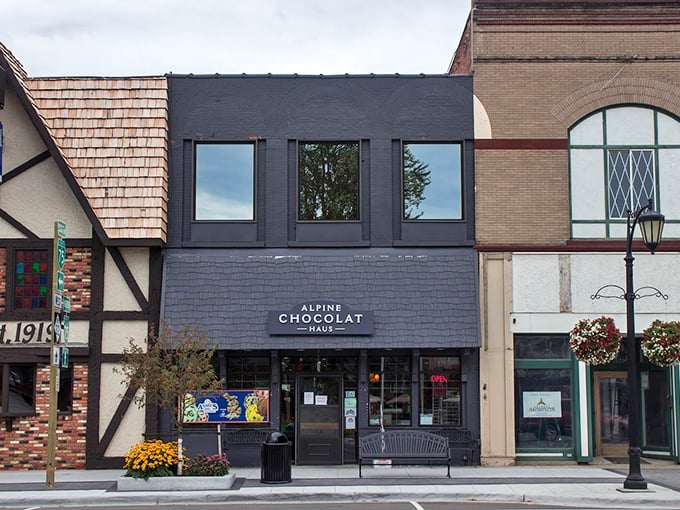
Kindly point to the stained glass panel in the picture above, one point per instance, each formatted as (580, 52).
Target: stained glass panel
(30, 289)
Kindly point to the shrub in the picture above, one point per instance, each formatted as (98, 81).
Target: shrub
(208, 465)
(151, 458)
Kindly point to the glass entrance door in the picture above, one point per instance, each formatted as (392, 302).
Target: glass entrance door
(611, 414)
(656, 407)
(319, 419)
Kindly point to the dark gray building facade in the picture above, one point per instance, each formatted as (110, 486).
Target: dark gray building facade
(321, 231)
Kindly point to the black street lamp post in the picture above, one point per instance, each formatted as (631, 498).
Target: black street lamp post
(651, 225)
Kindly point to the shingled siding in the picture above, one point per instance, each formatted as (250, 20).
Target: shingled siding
(419, 297)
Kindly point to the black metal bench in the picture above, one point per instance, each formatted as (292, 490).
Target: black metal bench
(462, 443)
(406, 446)
(243, 445)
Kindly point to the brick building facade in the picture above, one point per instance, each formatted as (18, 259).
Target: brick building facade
(562, 90)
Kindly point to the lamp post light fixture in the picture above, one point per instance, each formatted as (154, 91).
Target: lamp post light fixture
(651, 226)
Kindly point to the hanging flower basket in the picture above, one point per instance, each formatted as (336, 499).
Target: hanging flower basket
(661, 343)
(595, 341)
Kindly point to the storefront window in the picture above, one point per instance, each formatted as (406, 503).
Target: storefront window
(543, 392)
(440, 391)
(65, 395)
(389, 390)
(247, 373)
(542, 347)
(543, 408)
(17, 389)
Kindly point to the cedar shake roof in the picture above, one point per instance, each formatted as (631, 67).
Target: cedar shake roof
(113, 133)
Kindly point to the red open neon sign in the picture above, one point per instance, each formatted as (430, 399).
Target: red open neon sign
(438, 379)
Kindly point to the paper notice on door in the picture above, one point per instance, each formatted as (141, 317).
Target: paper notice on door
(321, 400)
(309, 397)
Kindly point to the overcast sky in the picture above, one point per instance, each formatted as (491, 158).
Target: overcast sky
(154, 37)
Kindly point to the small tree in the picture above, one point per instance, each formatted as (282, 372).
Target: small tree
(173, 364)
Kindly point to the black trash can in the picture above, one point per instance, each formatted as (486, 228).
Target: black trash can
(276, 459)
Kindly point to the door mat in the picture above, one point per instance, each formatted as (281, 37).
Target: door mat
(622, 460)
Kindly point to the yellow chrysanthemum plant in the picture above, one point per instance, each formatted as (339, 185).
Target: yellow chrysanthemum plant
(170, 363)
(152, 458)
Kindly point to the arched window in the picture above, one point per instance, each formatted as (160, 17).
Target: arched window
(618, 159)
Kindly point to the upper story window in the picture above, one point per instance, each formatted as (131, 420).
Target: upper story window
(31, 279)
(619, 158)
(225, 182)
(328, 181)
(432, 179)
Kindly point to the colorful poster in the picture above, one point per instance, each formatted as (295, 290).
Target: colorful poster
(542, 404)
(226, 406)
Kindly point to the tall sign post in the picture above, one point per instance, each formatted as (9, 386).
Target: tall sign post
(58, 260)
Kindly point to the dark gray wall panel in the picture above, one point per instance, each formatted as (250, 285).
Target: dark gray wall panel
(420, 298)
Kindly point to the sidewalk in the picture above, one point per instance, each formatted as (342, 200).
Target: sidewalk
(582, 486)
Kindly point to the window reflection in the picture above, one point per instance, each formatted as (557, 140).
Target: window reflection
(328, 175)
(21, 389)
(432, 181)
(224, 182)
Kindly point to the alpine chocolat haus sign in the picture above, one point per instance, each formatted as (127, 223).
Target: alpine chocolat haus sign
(321, 318)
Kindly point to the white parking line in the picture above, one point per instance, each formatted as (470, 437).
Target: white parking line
(416, 505)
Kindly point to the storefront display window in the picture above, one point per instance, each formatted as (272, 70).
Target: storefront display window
(542, 347)
(440, 402)
(389, 390)
(65, 395)
(247, 373)
(543, 408)
(543, 393)
(17, 389)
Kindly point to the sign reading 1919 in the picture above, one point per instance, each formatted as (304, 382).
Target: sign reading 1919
(17, 333)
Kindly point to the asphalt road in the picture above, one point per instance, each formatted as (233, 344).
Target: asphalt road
(413, 505)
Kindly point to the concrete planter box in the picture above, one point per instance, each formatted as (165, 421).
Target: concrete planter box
(176, 483)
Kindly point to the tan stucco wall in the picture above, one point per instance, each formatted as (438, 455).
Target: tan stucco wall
(39, 197)
(117, 334)
(132, 427)
(117, 295)
(20, 140)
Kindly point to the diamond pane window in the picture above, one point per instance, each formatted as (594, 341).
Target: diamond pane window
(30, 279)
(619, 158)
(631, 180)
